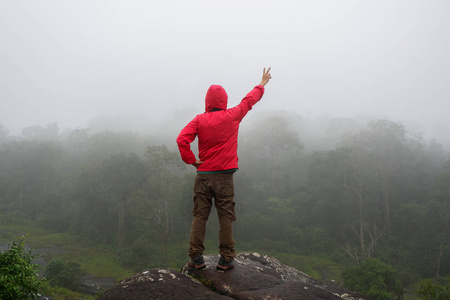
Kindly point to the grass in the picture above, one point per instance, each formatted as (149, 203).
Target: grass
(320, 269)
(313, 266)
(59, 293)
(97, 261)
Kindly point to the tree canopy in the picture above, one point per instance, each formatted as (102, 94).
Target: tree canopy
(381, 194)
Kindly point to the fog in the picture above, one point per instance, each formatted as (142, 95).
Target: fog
(133, 64)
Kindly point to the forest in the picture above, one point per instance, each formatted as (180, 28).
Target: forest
(345, 191)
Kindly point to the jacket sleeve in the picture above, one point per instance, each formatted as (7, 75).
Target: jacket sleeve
(184, 140)
(247, 103)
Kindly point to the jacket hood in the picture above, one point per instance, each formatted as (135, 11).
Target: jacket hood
(216, 97)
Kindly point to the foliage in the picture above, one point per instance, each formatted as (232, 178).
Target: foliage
(101, 191)
(139, 254)
(321, 269)
(430, 290)
(372, 278)
(376, 191)
(314, 241)
(18, 274)
(272, 141)
(64, 274)
(60, 293)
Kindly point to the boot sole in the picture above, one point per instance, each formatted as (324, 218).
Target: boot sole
(219, 267)
(198, 267)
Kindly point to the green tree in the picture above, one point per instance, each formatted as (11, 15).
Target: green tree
(273, 146)
(281, 216)
(18, 274)
(374, 279)
(30, 174)
(431, 290)
(64, 274)
(101, 191)
(158, 202)
(326, 201)
(360, 183)
(384, 156)
(425, 234)
(440, 218)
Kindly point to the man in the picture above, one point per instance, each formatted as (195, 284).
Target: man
(217, 131)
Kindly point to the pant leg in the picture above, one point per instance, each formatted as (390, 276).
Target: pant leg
(226, 241)
(202, 207)
(223, 188)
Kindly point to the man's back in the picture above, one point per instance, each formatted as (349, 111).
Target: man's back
(217, 131)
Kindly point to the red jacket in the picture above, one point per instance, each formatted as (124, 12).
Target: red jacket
(217, 130)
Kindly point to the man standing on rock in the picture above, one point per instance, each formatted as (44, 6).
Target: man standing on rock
(217, 131)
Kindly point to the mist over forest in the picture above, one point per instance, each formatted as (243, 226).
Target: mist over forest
(345, 190)
(317, 133)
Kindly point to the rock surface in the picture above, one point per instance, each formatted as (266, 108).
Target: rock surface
(255, 276)
(160, 284)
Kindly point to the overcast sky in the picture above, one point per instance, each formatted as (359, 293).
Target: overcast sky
(71, 61)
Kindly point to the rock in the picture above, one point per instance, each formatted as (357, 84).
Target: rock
(254, 276)
(160, 284)
(257, 276)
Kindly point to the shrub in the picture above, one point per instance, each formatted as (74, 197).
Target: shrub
(372, 278)
(64, 274)
(18, 275)
(430, 290)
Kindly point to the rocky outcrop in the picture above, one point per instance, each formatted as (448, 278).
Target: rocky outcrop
(160, 284)
(255, 276)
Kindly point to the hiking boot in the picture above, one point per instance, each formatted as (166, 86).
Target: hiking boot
(224, 265)
(197, 262)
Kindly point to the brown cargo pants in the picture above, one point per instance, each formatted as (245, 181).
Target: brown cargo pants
(219, 186)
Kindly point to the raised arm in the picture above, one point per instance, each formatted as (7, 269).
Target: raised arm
(252, 97)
